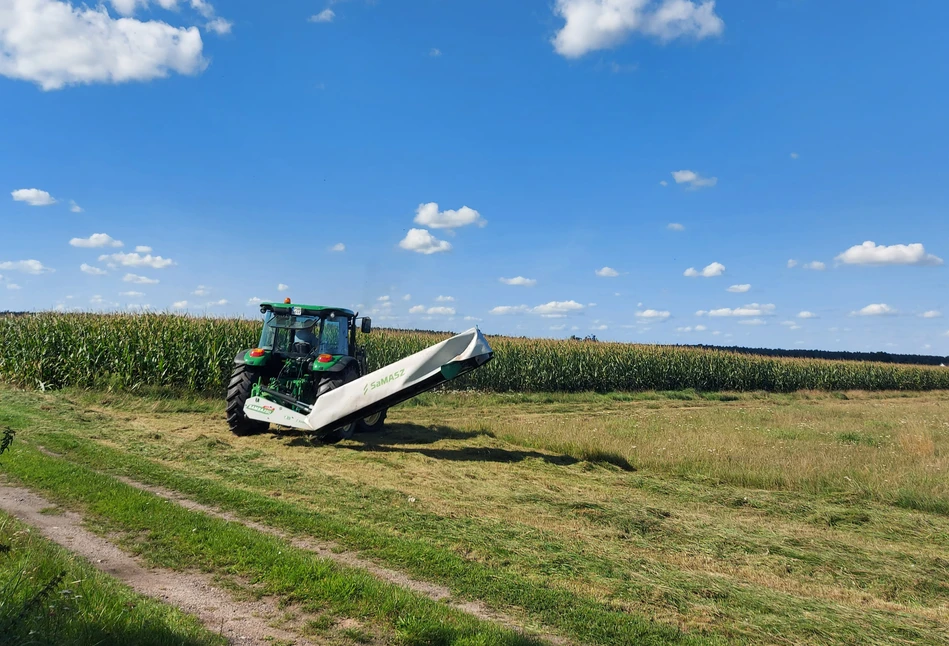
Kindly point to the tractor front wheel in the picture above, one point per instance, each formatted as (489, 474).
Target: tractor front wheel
(238, 390)
(372, 422)
(332, 383)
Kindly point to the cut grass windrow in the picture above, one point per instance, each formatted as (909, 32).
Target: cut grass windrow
(167, 535)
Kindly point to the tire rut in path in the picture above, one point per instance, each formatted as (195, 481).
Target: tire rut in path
(240, 622)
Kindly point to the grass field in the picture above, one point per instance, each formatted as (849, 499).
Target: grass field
(609, 519)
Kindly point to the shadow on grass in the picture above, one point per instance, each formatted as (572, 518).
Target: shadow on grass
(405, 438)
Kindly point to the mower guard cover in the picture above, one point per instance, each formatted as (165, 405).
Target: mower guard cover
(383, 388)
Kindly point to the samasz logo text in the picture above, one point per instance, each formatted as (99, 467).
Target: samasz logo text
(375, 384)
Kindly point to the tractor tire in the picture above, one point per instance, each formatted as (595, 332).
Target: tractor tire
(332, 383)
(238, 390)
(371, 423)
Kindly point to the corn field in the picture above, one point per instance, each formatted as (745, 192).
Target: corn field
(128, 351)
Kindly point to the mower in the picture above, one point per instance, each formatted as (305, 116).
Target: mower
(307, 372)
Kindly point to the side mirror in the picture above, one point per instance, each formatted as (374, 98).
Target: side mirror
(366, 325)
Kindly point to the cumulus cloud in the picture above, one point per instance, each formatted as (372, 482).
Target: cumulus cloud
(653, 314)
(557, 308)
(326, 15)
(753, 309)
(931, 314)
(281, 287)
(591, 25)
(219, 303)
(92, 271)
(136, 260)
(870, 253)
(53, 44)
(752, 322)
(180, 305)
(440, 311)
(428, 215)
(96, 240)
(421, 241)
(693, 180)
(13, 286)
(201, 291)
(139, 280)
(383, 299)
(417, 309)
(32, 196)
(510, 309)
(875, 309)
(444, 299)
(806, 315)
(607, 272)
(434, 52)
(254, 300)
(519, 280)
(689, 328)
(709, 271)
(143, 249)
(739, 289)
(815, 265)
(26, 266)
(675, 226)
(132, 294)
(75, 208)
(792, 264)
(339, 246)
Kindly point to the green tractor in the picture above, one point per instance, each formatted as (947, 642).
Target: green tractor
(305, 351)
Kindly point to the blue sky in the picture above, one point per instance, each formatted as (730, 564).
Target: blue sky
(230, 147)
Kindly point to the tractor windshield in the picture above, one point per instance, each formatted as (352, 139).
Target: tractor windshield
(281, 332)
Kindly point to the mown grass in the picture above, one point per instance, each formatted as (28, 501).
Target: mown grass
(133, 351)
(49, 596)
(171, 536)
(603, 554)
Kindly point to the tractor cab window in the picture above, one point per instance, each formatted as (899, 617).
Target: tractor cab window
(281, 330)
(334, 339)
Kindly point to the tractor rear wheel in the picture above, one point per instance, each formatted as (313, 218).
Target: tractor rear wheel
(332, 383)
(238, 390)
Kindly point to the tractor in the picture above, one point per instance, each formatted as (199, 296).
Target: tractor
(305, 351)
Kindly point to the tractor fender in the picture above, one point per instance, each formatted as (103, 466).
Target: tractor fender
(341, 364)
(243, 358)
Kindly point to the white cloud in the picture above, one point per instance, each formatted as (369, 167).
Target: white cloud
(472, 318)
(281, 287)
(519, 280)
(875, 309)
(752, 322)
(675, 226)
(219, 303)
(139, 280)
(689, 328)
(254, 300)
(180, 305)
(75, 208)
(753, 309)
(794, 155)
(869, 253)
(816, 265)
(339, 246)
(137, 260)
(791, 325)
(421, 241)
(710, 271)
(599, 327)
(653, 314)
(434, 52)
(931, 314)
(555, 308)
(383, 298)
(445, 299)
(663, 183)
(26, 266)
(32, 196)
(201, 291)
(557, 327)
(693, 179)
(739, 289)
(428, 215)
(441, 311)
(417, 309)
(219, 26)
(326, 15)
(607, 272)
(132, 294)
(510, 309)
(590, 25)
(792, 264)
(97, 300)
(143, 249)
(806, 315)
(407, 297)
(96, 240)
(92, 271)
(54, 44)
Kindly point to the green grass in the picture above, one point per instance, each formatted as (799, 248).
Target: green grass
(48, 596)
(465, 490)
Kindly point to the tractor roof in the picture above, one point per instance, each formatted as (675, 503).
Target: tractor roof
(313, 310)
